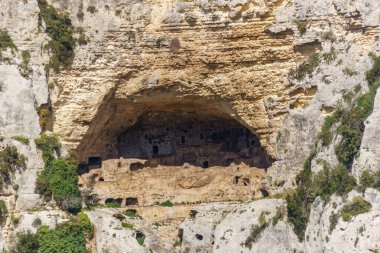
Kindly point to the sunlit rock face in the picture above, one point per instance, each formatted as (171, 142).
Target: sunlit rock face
(192, 102)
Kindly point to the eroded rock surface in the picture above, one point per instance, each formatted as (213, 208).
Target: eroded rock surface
(203, 59)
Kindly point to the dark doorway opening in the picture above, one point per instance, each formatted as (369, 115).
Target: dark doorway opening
(205, 164)
(199, 237)
(136, 166)
(95, 161)
(265, 193)
(131, 201)
(155, 150)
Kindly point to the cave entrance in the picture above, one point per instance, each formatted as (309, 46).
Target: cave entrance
(173, 138)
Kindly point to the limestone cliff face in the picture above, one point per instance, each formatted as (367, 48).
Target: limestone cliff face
(228, 59)
(155, 54)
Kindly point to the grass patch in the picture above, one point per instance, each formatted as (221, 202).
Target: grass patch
(131, 214)
(167, 203)
(113, 204)
(127, 225)
(22, 139)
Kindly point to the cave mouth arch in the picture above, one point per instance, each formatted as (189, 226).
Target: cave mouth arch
(172, 131)
(174, 138)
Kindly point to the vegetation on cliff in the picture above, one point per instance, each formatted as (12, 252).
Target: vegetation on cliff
(6, 41)
(59, 28)
(69, 236)
(59, 179)
(10, 161)
(350, 127)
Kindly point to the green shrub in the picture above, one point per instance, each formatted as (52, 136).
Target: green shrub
(302, 26)
(337, 180)
(325, 135)
(277, 217)
(113, 204)
(369, 180)
(82, 40)
(373, 74)
(323, 184)
(127, 225)
(59, 179)
(349, 72)
(27, 243)
(346, 216)
(91, 9)
(43, 114)
(254, 234)
(333, 221)
(357, 206)
(63, 180)
(36, 222)
(352, 126)
(306, 68)
(330, 56)
(177, 243)
(24, 66)
(15, 220)
(43, 186)
(329, 36)
(330, 181)
(49, 145)
(131, 214)
(193, 213)
(59, 28)
(22, 139)
(3, 212)
(10, 161)
(140, 237)
(6, 41)
(167, 203)
(66, 237)
(80, 14)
